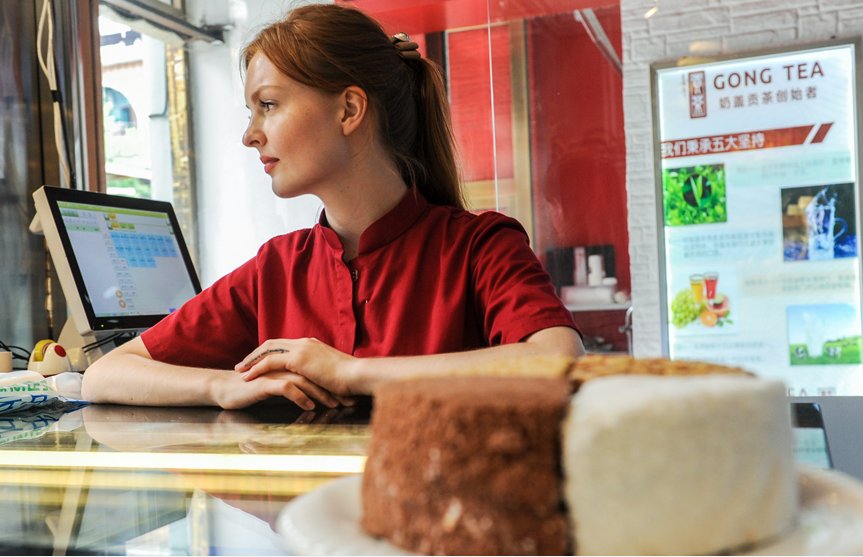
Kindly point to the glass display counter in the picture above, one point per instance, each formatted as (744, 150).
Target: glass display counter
(108, 480)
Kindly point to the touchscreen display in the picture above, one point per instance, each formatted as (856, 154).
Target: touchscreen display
(810, 437)
(810, 447)
(129, 259)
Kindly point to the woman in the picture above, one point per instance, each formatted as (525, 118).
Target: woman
(397, 278)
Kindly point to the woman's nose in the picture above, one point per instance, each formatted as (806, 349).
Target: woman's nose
(252, 137)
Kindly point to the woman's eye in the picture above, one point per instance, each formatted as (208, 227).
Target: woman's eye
(266, 105)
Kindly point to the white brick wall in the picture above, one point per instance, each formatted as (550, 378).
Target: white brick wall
(688, 28)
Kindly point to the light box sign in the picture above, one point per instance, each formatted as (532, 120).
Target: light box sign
(758, 182)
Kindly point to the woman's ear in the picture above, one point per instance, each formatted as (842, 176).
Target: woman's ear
(355, 107)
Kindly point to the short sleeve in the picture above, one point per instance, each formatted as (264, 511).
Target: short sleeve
(513, 292)
(215, 329)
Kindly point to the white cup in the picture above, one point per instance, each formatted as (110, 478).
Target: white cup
(5, 361)
(595, 272)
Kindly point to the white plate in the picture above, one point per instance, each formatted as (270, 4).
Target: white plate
(326, 521)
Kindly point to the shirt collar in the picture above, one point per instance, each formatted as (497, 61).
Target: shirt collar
(387, 228)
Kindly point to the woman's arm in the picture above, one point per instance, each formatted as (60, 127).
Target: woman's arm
(129, 375)
(346, 375)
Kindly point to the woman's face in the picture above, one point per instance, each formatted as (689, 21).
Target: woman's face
(295, 128)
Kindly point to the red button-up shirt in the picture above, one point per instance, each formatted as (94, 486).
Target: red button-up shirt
(427, 280)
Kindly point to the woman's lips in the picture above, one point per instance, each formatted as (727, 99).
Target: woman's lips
(269, 163)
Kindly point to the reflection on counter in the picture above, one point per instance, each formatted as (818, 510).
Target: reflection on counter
(122, 479)
(210, 527)
(39, 421)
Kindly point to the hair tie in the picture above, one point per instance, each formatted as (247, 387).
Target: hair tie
(405, 48)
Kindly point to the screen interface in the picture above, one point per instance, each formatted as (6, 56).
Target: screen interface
(810, 447)
(129, 259)
(810, 437)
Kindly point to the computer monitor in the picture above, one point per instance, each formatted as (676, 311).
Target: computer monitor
(122, 262)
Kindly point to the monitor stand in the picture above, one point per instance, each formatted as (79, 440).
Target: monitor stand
(74, 343)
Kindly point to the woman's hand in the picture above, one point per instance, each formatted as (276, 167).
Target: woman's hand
(233, 391)
(310, 358)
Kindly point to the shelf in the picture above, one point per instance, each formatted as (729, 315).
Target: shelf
(597, 307)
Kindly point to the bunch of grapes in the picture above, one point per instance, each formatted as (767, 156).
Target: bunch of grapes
(684, 310)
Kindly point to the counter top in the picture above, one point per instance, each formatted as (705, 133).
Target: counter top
(113, 479)
(179, 481)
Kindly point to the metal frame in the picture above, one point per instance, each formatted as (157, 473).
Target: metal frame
(167, 17)
(87, 102)
(486, 194)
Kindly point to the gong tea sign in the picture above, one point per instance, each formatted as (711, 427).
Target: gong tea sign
(757, 173)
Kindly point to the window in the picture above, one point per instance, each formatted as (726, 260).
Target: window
(145, 114)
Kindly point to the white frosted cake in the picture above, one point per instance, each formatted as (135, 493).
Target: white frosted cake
(678, 465)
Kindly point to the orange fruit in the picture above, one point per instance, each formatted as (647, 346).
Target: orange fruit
(708, 318)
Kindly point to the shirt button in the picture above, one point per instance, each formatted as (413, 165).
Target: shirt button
(355, 275)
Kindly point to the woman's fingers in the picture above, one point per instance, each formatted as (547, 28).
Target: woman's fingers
(274, 361)
(321, 364)
(315, 391)
(261, 352)
(298, 389)
(298, 397)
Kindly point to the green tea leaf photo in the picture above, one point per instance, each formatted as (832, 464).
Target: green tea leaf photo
(694, 195)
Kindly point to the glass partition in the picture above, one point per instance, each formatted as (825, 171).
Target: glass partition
(536, 96)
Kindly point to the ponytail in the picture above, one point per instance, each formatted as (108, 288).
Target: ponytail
(436, 172)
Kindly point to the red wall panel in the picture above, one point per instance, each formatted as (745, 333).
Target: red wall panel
(428, 16)
(471, 101)
(578, 148)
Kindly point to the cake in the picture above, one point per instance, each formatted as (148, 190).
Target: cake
(678, 465)
(595, 366)
(658, 457)
(467, 465)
